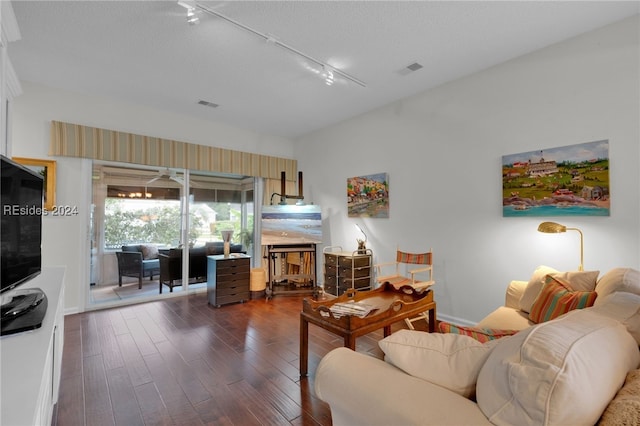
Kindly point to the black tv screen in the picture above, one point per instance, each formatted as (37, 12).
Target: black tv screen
(21, 229)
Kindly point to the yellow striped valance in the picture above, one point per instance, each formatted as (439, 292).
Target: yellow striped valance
(74, 140)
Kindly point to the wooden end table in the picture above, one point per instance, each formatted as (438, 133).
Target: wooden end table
(391, 304)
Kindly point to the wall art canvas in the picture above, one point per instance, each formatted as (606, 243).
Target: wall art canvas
(571, 180)
(368, 196)
(290, 224)
(47, 169)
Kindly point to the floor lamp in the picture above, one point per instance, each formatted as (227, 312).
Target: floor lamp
(553, 228)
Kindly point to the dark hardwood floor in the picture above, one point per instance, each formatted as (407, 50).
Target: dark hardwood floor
(182, 362)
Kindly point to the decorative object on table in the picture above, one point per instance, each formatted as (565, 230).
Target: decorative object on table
(226, 238)
(552, 228)
(368, 196)
(46, 168)
(362, 244)
(565, 181)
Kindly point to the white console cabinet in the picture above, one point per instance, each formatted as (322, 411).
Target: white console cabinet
(31, 361)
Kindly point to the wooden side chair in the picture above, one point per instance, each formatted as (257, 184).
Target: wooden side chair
(409, 269)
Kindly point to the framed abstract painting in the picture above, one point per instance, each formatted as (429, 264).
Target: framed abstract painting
(368, 196)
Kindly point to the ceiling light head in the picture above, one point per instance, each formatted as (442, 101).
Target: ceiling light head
(328, 75)
(192, 17)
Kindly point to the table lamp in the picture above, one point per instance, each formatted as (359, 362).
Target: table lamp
(362, 244)
(553, 228)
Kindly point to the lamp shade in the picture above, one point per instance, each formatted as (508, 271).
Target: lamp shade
(551, 228)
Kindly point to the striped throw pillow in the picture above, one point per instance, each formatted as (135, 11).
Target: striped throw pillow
(557, 298)
(482, 335)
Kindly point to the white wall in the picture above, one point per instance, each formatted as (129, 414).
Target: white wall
(443, 148)
(66, 239)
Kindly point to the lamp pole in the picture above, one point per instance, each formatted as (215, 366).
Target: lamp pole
(581, 267)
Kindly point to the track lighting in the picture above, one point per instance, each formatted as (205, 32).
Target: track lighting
(192, 18)
(329, 73)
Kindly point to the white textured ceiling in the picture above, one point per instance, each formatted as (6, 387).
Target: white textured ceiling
(144, 52)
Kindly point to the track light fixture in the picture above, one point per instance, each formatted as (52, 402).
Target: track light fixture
(192, 18)
(329, 71)
(328, 75)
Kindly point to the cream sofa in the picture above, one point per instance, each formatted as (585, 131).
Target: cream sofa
(559, 372)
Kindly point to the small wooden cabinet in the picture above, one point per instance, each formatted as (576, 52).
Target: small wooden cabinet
(344, 270)
(228, 279)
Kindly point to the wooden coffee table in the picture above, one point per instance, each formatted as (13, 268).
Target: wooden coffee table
(391, 304)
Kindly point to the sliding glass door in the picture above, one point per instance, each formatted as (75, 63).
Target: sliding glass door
(172, 217)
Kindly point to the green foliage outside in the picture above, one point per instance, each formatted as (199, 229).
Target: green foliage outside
(160, 224)
(155, 224)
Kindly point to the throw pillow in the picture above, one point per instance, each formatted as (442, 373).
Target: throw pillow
(534, 286)
(449, 360)
(149, 252)
(557, 298)
(482, 335)
(579, 280)
(624, 409)
(619, 279)
(561, 372)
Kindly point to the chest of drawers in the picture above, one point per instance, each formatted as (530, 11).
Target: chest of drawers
(228, 279)
(343, 270)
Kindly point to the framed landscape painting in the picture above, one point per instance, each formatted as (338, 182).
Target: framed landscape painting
(368, 196)
(566, 181)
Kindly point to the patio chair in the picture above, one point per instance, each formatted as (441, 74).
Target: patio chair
(409, 269)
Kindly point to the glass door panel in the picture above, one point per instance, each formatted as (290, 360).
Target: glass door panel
(178, 212)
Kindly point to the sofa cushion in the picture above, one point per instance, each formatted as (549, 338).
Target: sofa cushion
(557, 298)
(132, 247)
(560, 372)
(618, 279)
(481, 334)
(363, 390)
(149, 251)
(504, 317)
(578, 280)
(448, 360)
(624, 307)
(534, 286)
(624, 409)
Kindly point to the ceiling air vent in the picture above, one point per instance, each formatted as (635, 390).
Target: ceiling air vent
(207, 103)
(409, 68)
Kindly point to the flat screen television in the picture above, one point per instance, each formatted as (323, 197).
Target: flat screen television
(21, 212)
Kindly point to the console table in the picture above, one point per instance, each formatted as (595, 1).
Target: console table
(31, 361)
